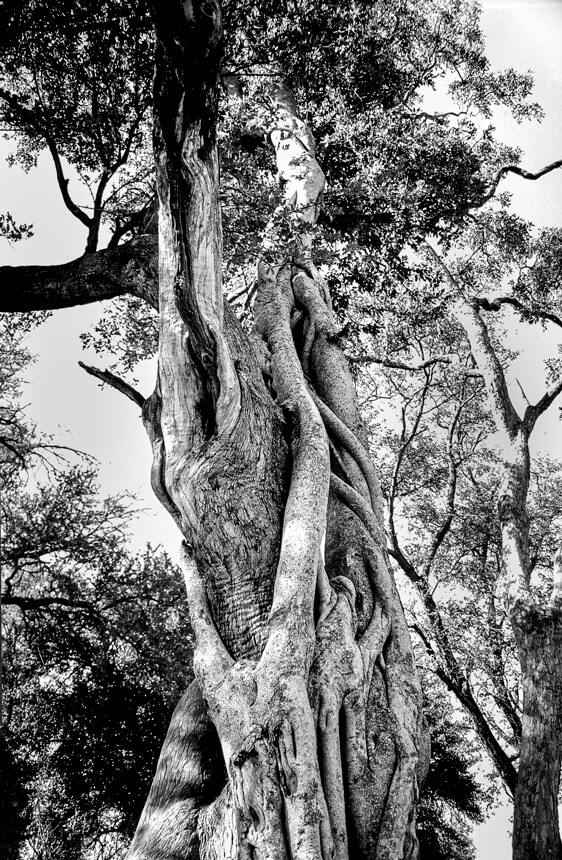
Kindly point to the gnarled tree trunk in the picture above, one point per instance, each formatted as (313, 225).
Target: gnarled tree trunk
(302, 735)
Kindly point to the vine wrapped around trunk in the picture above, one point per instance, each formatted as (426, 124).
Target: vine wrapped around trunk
(302, 735)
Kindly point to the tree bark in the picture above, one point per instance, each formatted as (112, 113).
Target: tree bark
(310, 706)
(130, 269)
(538, 633)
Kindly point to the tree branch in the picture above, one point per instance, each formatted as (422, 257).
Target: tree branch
(532, 413)
(72, 207)
(32, 116)
(399, 365)
(95, 221)
(25, 603)
(143, 221)
(487, 361)
(451, 493)
(406, 565)
(518, 171)
(129, 269)
(116, 382)
(496, 302)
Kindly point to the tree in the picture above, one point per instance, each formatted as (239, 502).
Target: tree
(306, 689)
(457, 532)
(452, 797)
(89, 682)
(535, 619)
(439, 478)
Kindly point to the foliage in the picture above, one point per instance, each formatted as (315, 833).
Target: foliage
(11, 231)
(17, 438)
(97, 652)
(452, 798)
(14, 799)
(76, 80)
(395, 172)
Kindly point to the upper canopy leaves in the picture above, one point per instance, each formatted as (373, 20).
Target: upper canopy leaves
(76, 80)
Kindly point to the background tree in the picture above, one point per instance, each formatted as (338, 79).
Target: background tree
(453, 798)
(89, 681)
(445, 482)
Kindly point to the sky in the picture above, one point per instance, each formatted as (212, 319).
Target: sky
(70, 405)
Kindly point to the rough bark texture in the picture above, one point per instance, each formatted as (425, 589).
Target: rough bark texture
(538, 632)
(128, 269)
(302, 654)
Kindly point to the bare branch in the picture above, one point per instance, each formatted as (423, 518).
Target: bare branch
(399, 365)
(495, 303)
(436, 117)
(116, 382)
(518, 171)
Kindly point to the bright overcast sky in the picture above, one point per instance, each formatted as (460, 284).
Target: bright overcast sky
(69, 404)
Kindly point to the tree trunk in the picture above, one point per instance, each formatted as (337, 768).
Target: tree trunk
(537, 628)
(538, 633)
(302, 736)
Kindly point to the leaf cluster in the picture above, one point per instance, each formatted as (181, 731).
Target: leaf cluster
(452, 798)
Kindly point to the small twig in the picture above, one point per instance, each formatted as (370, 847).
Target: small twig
(522, 390)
